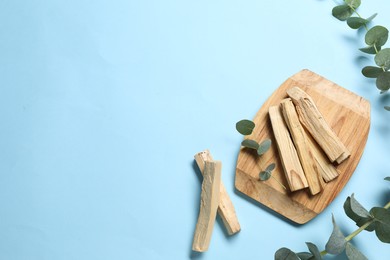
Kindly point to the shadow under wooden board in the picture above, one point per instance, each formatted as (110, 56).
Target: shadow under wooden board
(347, 114)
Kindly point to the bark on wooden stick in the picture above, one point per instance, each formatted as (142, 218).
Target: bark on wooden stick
(225, 208)
(209, 201)
(288, 154)
(312, 119)
(302, 146)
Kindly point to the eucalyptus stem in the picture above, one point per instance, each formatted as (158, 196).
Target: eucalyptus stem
(284, 187)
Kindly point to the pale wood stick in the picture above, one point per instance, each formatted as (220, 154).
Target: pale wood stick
(312, 119)
(327, 170)
(302, 146)
(209, 201)
(225, 208)
(288, 154)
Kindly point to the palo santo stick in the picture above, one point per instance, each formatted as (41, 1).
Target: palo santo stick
(324, 166)
(288, 154)
(302, 146)
(209, 201)
(225, 208)
(311, 118)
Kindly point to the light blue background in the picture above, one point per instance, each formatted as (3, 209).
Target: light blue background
(104, 103)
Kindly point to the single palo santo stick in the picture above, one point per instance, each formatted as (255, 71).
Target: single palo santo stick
(324, 166)
(288, 154)
(311, 118)
(225, 208)
(302, 146)
(209, 201)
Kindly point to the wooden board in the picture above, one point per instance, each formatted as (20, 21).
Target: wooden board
(347, 114)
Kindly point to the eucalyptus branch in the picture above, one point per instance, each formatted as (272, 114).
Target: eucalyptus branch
(377, 219)
(375, 38)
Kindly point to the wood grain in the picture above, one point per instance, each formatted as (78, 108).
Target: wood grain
(349, 117)
(288, 154)
(209, 201)
(225, 208)
(301, 142)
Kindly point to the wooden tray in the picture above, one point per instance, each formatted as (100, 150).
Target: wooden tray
(349, 116)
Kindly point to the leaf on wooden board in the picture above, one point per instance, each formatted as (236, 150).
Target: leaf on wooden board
(314, 250)
(245, 126)
(249, 143)
(353, 253)
(382, 219)
(336, 242)
(285, 254)
(270, 167)
(264, 175)
(264, 146)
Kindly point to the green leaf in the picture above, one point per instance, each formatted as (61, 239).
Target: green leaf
(382, 59)
(285, 254)
(356, 22)
(371, 71)
(370, 49)
(387, 108)
(264, 146)
(342, 12)
(369, 19)
(353, 253)
(314, 250)
(377, 35)
(353, 3)
(249, 143)
(336, 242)
(270, 167)
(245, 127)
(387, 179)
(383, 81)
(355, 211)
(382, 218)
(264, 175)
(304, 255)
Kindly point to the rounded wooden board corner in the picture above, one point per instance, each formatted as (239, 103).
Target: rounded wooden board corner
(348, 115)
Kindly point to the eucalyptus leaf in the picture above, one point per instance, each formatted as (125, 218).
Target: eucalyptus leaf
(370, 49)
(383, 81)
(342, 12)
(304, 255)
(353, 3)
(369, 19)
(382, 59)
(355, 211)
(371, 71)
(245, 126)
(353, 253)
(377, 35)
(285, 254)
(387, 178)
(264, 175)
(264, 146)
(356, 22)
(336, 242)
(382, 218)
(270, 167)
(314, 250)
(249, 143)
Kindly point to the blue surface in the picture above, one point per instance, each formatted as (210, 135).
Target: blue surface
(104, 103)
